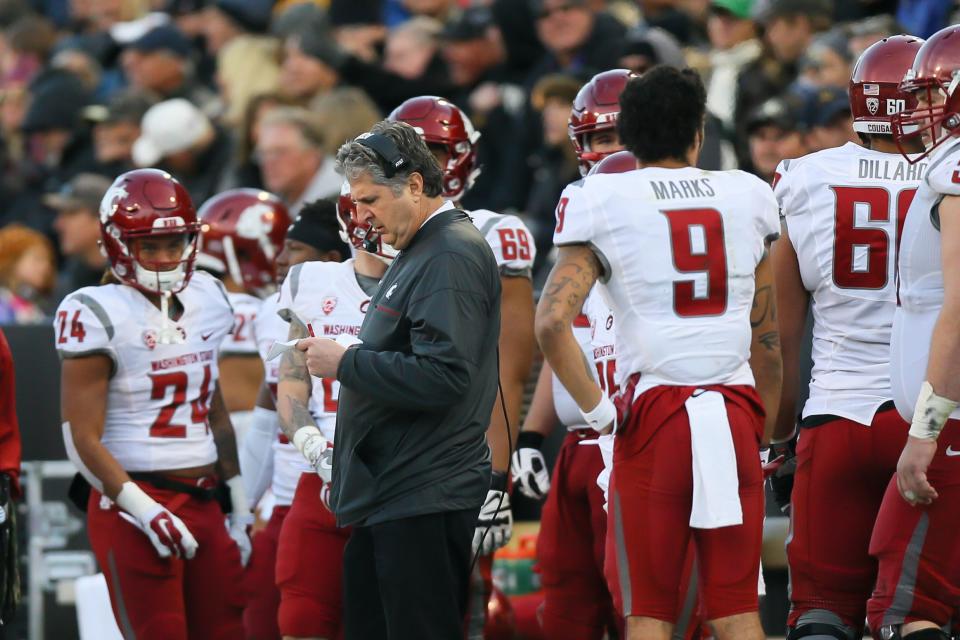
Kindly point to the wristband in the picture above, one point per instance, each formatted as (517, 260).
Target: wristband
(930, 413)
(498, 481)
(238, 495)
(133, 500)
(601, 415)
(529, 440)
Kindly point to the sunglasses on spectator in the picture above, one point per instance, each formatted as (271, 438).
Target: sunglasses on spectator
(546, 12)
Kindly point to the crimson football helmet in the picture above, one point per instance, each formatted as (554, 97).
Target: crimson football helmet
(618, 162)
(242, 233)
(148, 203)
(443, 123)
(875, 94)
(361, 237)
(935, 71)
(596, 108)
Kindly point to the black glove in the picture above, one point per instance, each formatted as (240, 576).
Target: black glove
(782, 464)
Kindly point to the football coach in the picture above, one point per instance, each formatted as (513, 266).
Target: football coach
(411, 465)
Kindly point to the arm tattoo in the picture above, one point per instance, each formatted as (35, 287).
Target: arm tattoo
(770, 340)
(762, 307)
(569, 283)
(295, 386)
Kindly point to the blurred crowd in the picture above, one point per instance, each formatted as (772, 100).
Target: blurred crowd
(261, 93)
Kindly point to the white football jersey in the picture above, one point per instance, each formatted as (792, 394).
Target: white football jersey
(288, 463)
(843, 209)
(921, 279)
(680, 248)
(563, 403)
(603, 351)
(327, 298)
(159, 394)
(242, 340)
(511, 241)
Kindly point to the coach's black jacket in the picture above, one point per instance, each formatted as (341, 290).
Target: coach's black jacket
(416, 395)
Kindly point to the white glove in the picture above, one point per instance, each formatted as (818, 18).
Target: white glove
(528, 468)
(495, 523)
(167, 533)
(316, 449)
(241, 519)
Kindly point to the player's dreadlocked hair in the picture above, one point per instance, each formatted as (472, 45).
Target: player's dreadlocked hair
(661, 113)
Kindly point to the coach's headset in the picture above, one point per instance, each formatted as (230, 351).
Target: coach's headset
(393, 161)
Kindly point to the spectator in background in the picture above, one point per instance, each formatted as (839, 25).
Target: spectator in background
(864, 33)
(116, 126)
(554, 165)
(224, 20)
(774, 133)
(78, 228)
(826, 115)
(27, 272)
(733, 36)
(306, 71)
(292, 159)
(358, 28)
(411, 50)
(789, 27)
(177, 137)
(436, 9)
(246, 170)
(486, 89)
(342, 115)
(646, 46)
(29, 42)
(246, 67)
(159, 62)
(577, 39)
(827, 62)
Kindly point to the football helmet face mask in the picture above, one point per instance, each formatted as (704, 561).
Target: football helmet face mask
(875, 94)
(933, 82)
(148, 203)
(242, 234)
(595, 109)
(361, 237)
(444, 124)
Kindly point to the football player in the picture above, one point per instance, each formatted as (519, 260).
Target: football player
(915, 536)
(146, 423)
(842, 211)
(573, 524)
(243, 232)
(319, 299)
(449, 133)
(682, 274)
(267, 458)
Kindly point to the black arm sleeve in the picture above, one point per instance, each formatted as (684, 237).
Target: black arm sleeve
(449, 314)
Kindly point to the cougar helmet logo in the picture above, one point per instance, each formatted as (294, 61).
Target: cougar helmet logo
(108, 205)
(243, 232)
(873, 105)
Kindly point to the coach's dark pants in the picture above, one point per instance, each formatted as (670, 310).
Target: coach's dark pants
(408, 578)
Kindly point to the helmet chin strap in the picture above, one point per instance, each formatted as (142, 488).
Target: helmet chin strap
(169, 334)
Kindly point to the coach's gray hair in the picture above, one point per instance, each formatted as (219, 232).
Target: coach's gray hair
(355, 159)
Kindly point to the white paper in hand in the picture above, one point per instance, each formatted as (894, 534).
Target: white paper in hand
(279, 348)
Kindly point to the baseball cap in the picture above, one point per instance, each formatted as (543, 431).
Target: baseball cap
(739, 8)
(57, 98)
(822, 9)
(775, 111)
(821, 105)
(83, 191)
(168, 127)
(252, 15)
(472, 24)
(163, 38)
